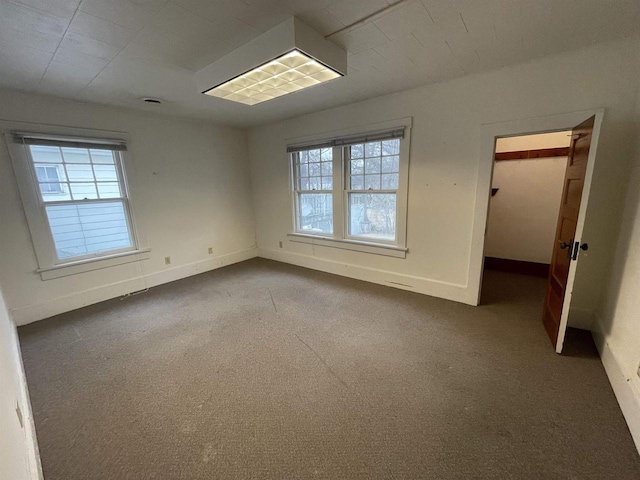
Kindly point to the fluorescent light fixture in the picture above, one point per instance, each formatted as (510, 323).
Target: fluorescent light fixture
(290, 57)
(288, 73)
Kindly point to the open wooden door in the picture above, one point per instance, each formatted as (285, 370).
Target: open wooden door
(566, 247)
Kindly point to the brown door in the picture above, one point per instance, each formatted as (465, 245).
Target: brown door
(566, 247)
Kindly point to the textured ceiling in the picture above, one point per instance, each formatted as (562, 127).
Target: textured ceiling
(115, 51)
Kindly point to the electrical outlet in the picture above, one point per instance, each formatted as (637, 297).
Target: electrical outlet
(280, 243)
(210, 250)
(167, 260)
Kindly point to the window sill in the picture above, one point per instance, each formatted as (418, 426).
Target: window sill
(97, 263)
(354, 245)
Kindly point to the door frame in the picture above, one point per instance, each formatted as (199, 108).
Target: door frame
(512, 128)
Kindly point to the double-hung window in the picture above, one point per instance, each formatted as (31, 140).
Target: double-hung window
(372, 190)
(76, 198)
(352, 190)
(314, 190)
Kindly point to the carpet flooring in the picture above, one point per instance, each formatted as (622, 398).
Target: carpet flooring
(263, 370)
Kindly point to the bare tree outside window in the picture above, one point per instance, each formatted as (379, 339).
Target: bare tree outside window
(314, 190)
(373, 183)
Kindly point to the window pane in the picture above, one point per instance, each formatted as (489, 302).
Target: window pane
(102, 156)
(357, 151)
(45, 154)
(304, 183)
(391, 147)
(314, 170)
(303, 170)
(88, 228)
(79, 173)
(327, 183)
(49, 173)
(83, 191)
(372, 215)
(327, 169)
(390, 164)
(357, 182)
(357, 167)
(314, 155)
(75, 155)
(326, 154)
(390, 181)
(372, 165)
(372, 149)
(55, 192)
(372, 182)
(315, 183)
(105, 173)
(303, 157)
(315, 212)
(109, 190)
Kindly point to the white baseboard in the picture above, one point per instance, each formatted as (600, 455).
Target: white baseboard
(434, 288)
(627, 396)
(31, 442)
(38, 311)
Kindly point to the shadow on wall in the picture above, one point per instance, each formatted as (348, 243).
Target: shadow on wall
(623, 262)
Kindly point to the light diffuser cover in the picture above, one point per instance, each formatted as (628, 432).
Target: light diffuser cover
(288, 73)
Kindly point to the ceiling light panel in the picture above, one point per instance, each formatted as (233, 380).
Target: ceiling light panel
(289, 57)
(289, 73)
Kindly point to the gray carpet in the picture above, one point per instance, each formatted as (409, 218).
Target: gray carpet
(267, 371)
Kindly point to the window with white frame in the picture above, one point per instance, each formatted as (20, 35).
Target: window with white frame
(314, 190)
(75, 196)
(353, 189)
(372, 190)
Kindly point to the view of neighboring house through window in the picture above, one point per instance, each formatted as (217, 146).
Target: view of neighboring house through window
(49, 178)
(84, 199)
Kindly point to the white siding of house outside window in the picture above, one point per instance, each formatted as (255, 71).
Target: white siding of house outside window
(84, 200)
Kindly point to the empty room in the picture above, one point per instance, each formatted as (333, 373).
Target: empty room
(319, 239)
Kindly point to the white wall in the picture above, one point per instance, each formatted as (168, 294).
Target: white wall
(533, 142)
(190, 190)
(18, 456)
(524, 213)
(444, 164)
(617, 329)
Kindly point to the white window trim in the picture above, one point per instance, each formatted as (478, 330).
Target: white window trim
(349, 244)
(340, 238)
(49, 266)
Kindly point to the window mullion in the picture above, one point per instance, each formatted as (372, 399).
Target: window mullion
(337, 193)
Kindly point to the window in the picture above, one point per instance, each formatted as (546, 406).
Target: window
(76, 198)
(314, 190)
(352, 189)
(373, 175)
(83, 198)
(49, 178)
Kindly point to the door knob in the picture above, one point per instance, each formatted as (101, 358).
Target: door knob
(564, 245)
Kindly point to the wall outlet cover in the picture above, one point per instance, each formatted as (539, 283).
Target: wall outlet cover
(210, 250)
(167, 260)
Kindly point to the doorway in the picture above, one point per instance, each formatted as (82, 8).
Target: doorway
(570, 214)
(526, 191)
